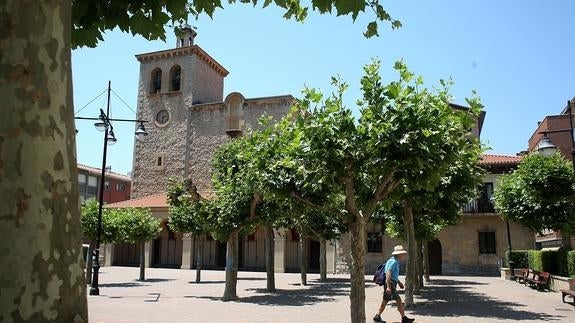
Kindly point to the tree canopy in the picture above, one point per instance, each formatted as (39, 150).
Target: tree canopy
(539, 193)
(148, 18)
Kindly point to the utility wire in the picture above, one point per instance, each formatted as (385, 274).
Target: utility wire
(87, 104)
(126, 104)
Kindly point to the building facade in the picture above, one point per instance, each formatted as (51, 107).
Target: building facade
(181, 91)
(474, 246)
(117, 187)
(557, 128)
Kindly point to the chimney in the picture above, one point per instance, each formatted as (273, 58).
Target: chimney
(185, 36)
(108, 169)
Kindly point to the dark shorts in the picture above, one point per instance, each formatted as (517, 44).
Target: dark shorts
(393, 295)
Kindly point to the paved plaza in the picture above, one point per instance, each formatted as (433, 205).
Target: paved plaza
(170, 295)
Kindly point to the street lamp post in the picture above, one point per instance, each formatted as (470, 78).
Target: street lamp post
(104, 123)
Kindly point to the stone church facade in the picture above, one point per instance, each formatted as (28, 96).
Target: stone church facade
(180, 93)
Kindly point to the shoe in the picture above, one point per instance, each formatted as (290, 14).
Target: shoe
(406, 319)
(377, 318)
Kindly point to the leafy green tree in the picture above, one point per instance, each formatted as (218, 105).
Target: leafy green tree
(90, 19)
(431, 208)
(110, 229)
(186, 215)
(403, 128)
(539, 194)
(138, 226)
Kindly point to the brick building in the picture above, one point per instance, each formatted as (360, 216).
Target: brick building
(116, 186)
(564, 143)
(562, 140)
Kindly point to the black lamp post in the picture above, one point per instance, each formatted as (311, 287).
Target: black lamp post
(104, 123)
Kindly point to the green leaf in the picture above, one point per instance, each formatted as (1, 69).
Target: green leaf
(371, 30)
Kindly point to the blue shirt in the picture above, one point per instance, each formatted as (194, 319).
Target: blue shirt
(393, 265)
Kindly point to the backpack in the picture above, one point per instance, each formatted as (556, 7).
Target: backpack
(379, 276)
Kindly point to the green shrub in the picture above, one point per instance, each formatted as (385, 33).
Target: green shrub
(535, 261)
(549, 262)
(562, 265)
(571, 263)
(520, 258)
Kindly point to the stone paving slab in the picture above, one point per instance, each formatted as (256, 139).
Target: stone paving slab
(170, 295)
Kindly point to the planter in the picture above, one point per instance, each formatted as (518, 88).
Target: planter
(505, 273)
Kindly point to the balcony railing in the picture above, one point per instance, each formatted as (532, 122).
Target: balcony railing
(481, 205)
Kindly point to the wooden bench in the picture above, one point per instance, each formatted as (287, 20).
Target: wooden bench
(524, 275)
(571, 293)
(540, 280)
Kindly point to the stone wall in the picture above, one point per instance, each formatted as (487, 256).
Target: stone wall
(459, 244)
(462, 255)
(199, 82)
(207, 83)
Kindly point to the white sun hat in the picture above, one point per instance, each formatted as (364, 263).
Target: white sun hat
(398, 250)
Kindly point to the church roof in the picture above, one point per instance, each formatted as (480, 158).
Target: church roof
(156, 201)
(182, 51)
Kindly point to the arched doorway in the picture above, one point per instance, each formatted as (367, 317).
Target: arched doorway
(435, 257)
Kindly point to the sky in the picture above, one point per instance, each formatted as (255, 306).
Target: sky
(519, 56)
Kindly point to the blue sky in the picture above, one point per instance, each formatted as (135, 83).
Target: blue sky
(518, 55)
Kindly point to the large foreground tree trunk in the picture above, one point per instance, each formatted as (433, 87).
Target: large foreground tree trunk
(411, 275)
(358, 239)
(142, 261)
(230, 293)
(322, 260)
(270, 246)
(303, 242)
(199, 243)
(41, 261)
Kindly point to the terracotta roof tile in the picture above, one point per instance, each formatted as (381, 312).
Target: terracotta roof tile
(156, 201)
(151, 201)
(489, 159)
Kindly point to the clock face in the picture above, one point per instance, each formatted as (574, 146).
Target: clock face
(163, 116)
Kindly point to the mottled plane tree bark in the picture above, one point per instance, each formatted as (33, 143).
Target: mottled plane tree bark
(41, 277)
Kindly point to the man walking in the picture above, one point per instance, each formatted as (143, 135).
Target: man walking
(391, 283)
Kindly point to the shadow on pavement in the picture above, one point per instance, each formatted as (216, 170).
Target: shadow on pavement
(120, 285)
(157, 280)
(314, 293)
(448, 298)
(208, 282)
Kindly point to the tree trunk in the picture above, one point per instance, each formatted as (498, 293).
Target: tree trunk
(41, 260)
(89, 262)
(322, 260)
(426, 262)
(303, 242)
(231, 267)
(417, 289)
(358, 239)
(142, 261)
(199, 243)
(566, 237)
(270, 246)
(411, 275)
